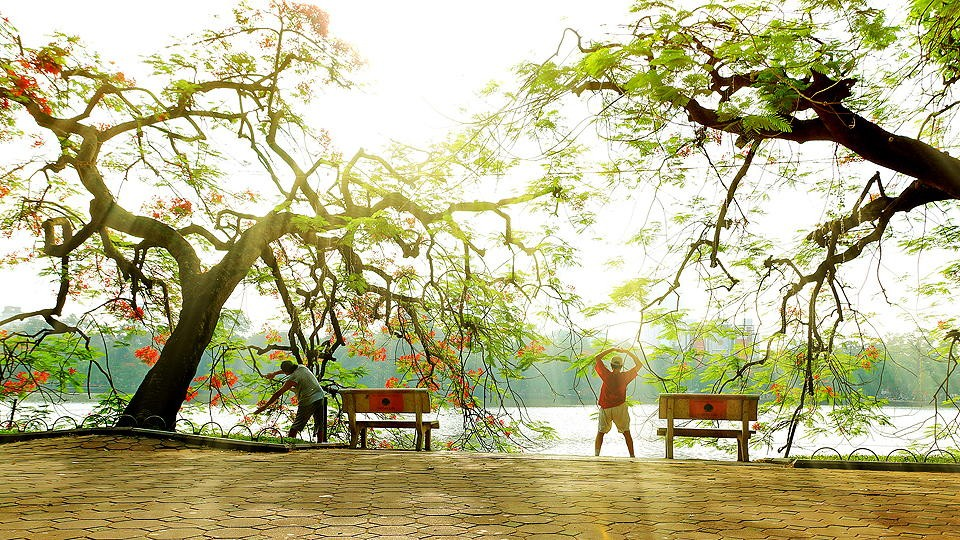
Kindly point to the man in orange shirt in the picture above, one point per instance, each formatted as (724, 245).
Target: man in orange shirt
(613, 396)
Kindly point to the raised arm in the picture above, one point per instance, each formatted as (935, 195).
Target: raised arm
(273, 374)
(636, 360)
(273, 399)
(601, 354)
(598, 360)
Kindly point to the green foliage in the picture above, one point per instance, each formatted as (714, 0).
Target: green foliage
(599, 61)
(633, 292)
(46, 370)
(52, 365)
(758, 124)
(939, 38)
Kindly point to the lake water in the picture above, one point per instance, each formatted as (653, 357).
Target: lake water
(576, 428)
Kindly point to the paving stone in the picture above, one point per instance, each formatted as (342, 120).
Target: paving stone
(493, 530)
(393, 530)
(125, 487)
(116, 534)
(173, 534)
(441, 530)
(439, 520)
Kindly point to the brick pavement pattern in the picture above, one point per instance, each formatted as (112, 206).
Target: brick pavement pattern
(128, 487)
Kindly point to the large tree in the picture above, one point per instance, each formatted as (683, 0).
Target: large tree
(213, 175)
(848, 106)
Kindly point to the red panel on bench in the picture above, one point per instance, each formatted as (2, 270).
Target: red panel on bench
(386, 402)
(709, 409)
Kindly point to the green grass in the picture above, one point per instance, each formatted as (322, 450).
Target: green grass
(262, 439)
(898, 457)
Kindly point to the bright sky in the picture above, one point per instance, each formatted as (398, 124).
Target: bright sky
(426, 58)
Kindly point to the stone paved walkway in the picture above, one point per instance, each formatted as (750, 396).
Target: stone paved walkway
(127, 487)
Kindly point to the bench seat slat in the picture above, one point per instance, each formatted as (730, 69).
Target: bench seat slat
(704, 432)
(386, 423)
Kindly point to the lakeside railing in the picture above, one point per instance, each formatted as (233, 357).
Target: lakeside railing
(182, 425)
(895, 455)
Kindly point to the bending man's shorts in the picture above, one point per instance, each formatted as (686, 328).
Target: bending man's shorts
(619, 415)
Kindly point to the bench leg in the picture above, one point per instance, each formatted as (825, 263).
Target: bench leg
(744, 441)
(352, 423)
(353, 438)
(427, 440)
(743, 449)
(419, 440)
(669, 439)
(363, 437)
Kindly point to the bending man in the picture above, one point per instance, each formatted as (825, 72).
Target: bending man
(309, 396)
(613, 396)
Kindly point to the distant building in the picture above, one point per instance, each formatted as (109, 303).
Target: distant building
(740, 344)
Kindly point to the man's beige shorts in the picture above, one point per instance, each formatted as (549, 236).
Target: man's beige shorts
(619, 415)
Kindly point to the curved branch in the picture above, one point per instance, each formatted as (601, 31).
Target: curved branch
(913, 196)
(801, 131)
(731, 192)
(297, 340)
(207, 235)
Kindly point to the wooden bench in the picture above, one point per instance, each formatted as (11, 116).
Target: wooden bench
(386, 401)
(736, 407)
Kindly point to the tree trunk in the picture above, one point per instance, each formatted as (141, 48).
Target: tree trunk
(164, 388)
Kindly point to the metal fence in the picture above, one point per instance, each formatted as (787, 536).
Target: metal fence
(895, 455)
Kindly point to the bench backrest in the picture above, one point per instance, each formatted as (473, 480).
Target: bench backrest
(386, 400)
(709, 406)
